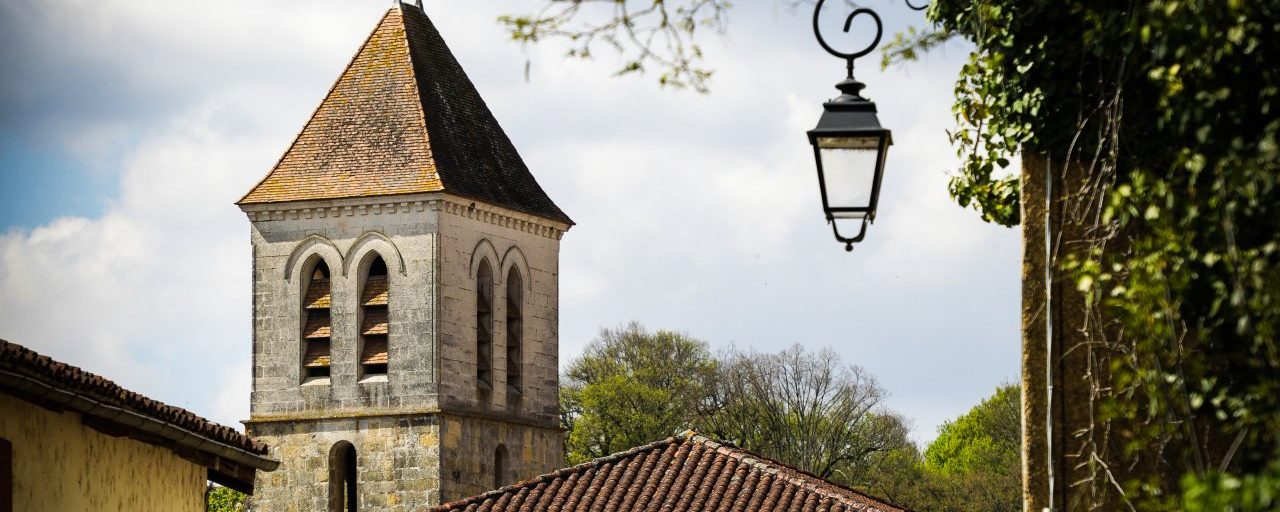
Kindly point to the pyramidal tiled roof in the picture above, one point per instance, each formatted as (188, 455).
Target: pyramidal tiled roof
(688, 473)
(404, 118)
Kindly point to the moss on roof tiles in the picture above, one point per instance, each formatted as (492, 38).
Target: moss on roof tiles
(404, 118)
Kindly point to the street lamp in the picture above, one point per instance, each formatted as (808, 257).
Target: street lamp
(849, 145)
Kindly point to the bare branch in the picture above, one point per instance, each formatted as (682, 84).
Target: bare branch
(658, 33)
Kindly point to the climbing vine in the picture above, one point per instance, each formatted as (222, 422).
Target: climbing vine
(1170, 109)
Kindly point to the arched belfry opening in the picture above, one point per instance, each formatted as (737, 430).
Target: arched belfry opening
(374, 319)
(515, 336)
(343, 470)
(317, 324)
(484, 327)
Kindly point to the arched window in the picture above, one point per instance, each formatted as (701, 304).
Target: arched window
(317, 325)
(343, 495)
(515, 334)
(484, 326)
(374, 324)
(500, 466)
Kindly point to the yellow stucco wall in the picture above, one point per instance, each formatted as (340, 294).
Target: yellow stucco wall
(59, 465)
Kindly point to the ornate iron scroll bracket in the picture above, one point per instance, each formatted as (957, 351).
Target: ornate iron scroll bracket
(848, 25)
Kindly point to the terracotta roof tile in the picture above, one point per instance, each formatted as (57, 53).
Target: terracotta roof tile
(17, 359)
(404, 118)
(688, 472)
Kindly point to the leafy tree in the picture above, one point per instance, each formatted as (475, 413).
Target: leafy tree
(224, 499)
(801, 407)
(988, 436)
(632, 387)
(809, 410)
(973, 464)
(978, 454)
(804, 408)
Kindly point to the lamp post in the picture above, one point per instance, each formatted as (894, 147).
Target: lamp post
(849, 145)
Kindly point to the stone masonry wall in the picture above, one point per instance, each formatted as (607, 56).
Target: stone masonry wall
(398, 459)
(468, 445)
(504, 238)
(345, 234)
(423, 433)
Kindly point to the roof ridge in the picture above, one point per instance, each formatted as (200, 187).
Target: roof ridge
(676, 451)
(417, 90)
(471, 148)
(612, 457)
(810, 481)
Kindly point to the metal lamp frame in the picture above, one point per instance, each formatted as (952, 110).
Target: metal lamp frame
(851, 115)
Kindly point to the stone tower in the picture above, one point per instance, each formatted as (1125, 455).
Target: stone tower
(405, 282)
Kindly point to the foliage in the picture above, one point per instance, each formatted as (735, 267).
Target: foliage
(643, 32)
(978, 455)
(808, 410)
(804, 408)
(1169, 107)
(1217, 491)
(948, 476)
(632, 387)
(224, 499)
(988, 436)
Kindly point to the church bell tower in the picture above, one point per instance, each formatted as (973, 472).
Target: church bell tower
(405, 288)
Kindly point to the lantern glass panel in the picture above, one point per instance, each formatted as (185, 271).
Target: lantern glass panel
(849, 172)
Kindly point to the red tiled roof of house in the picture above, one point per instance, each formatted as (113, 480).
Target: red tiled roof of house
(688, 473)
(404, 118)
(23, 362)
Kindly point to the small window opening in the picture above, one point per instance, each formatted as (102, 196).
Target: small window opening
(317, 325)
(515, 335)
(6, 476)
(375, 319)
(499, 466)
(343, 473)
(484, 327)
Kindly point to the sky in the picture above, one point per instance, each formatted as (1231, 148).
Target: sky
(128, 128)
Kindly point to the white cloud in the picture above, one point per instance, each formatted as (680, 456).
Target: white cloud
(151, 294)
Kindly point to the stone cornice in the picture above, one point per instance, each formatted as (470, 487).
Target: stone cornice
(406, 204)
(326, 415)
(319, 209)
(498, 216)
